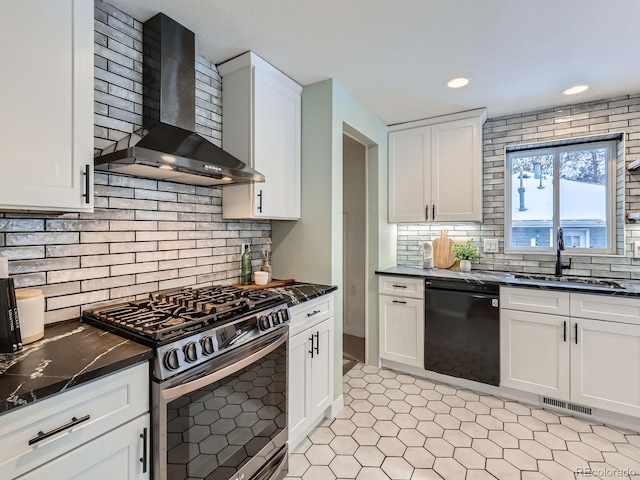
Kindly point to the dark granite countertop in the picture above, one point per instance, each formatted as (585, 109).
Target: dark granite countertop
(629, 288)
(300, 292)
(71, 353)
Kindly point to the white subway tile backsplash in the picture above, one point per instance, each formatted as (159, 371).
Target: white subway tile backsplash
(114, 259)
(59, 276)
(14, 239)
(21, 253)
(43, 265)
(81, 249)
(127, 247)
(109, 282)
(54, 303)
(100, 237)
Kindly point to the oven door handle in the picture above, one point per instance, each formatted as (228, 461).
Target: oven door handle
(186, 388)
(273, 468)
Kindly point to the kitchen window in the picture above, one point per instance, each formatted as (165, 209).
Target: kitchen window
(570, 184)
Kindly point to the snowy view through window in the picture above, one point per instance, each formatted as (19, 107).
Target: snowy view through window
(583, 196)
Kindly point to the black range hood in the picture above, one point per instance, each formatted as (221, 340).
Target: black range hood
(167, 148)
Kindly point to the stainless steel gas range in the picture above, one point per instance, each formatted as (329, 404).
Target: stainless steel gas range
(219, 379)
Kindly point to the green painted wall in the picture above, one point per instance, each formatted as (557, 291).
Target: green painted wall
(311, 249)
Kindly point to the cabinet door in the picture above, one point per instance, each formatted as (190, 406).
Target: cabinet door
(456, 170)
(605, 365)
(402, 330)
(409, 174)
(299, 385)
(322, 367)
(46, 100)
(534, 353)
(277, 114)
(262, 126)
(118, 454)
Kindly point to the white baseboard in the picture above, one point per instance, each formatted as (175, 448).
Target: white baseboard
(336, 407)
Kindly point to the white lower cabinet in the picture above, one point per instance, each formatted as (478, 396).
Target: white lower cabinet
(310, 367)
(121, 454)
(534, 353)
(593, 362)
(402, 330)
(401, 319)
(605, 365)
(56, 433)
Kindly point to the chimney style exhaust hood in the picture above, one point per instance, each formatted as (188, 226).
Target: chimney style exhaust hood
(167, 148)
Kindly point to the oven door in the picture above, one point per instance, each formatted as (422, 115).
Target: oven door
(228, 419)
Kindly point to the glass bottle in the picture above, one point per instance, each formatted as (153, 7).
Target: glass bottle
(245, 276)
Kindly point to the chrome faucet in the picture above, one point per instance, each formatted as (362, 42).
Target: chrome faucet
(559, 265)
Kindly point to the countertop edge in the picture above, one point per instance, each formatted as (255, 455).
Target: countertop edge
(630, 288)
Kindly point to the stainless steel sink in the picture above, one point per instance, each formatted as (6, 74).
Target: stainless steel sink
(563, 279)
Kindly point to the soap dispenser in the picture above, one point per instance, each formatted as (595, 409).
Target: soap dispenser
(427, 255)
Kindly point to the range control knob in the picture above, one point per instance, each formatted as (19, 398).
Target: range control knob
(275, 319)
(284, 313)
(264, 323)
(192, 351)
(207, 345)
(173, 359)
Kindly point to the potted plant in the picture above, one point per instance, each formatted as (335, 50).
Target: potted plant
(466, 253)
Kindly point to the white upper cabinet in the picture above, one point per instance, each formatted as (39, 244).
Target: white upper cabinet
(262, 121)
(46, 105)
(435, 169)
(409, 174)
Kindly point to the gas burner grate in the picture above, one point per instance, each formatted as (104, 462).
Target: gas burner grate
(176, 313)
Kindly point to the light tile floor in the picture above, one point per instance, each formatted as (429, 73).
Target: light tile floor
(395, 426)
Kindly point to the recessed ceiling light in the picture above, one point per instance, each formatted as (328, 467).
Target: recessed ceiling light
(458, 82)
(575, 89)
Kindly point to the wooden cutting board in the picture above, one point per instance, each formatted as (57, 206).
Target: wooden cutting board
(443, 251)
(271, 284)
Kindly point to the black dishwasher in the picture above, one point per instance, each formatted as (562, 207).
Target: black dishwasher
(462, 330)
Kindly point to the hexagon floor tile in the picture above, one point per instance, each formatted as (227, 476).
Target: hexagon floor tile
(449, 434)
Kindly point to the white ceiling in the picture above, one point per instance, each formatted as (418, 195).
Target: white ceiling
(396, 55)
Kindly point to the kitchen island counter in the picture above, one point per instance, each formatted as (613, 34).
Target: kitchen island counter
(71, 353)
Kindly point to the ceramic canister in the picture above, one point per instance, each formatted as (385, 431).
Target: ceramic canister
(31, 313)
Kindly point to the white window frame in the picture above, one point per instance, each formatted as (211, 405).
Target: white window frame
(611, 184)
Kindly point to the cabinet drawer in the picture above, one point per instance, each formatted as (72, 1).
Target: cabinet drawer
(606, 307)
(309, 313)
(108, 402)
(402, 286)
(534, 300)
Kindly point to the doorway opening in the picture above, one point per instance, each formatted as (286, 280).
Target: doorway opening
(354, 201)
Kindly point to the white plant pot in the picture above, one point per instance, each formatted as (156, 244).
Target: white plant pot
(465, 265)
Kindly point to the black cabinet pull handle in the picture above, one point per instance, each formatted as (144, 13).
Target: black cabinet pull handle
(399, 301)
(564, 330)
(260, 204)
(433, 212)
(399, 286)
(318, 343)
(87, 184)
(143, 436)
(426, 212)
(311, 351)
(74, 421)
(315, 312)
(576, 327)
